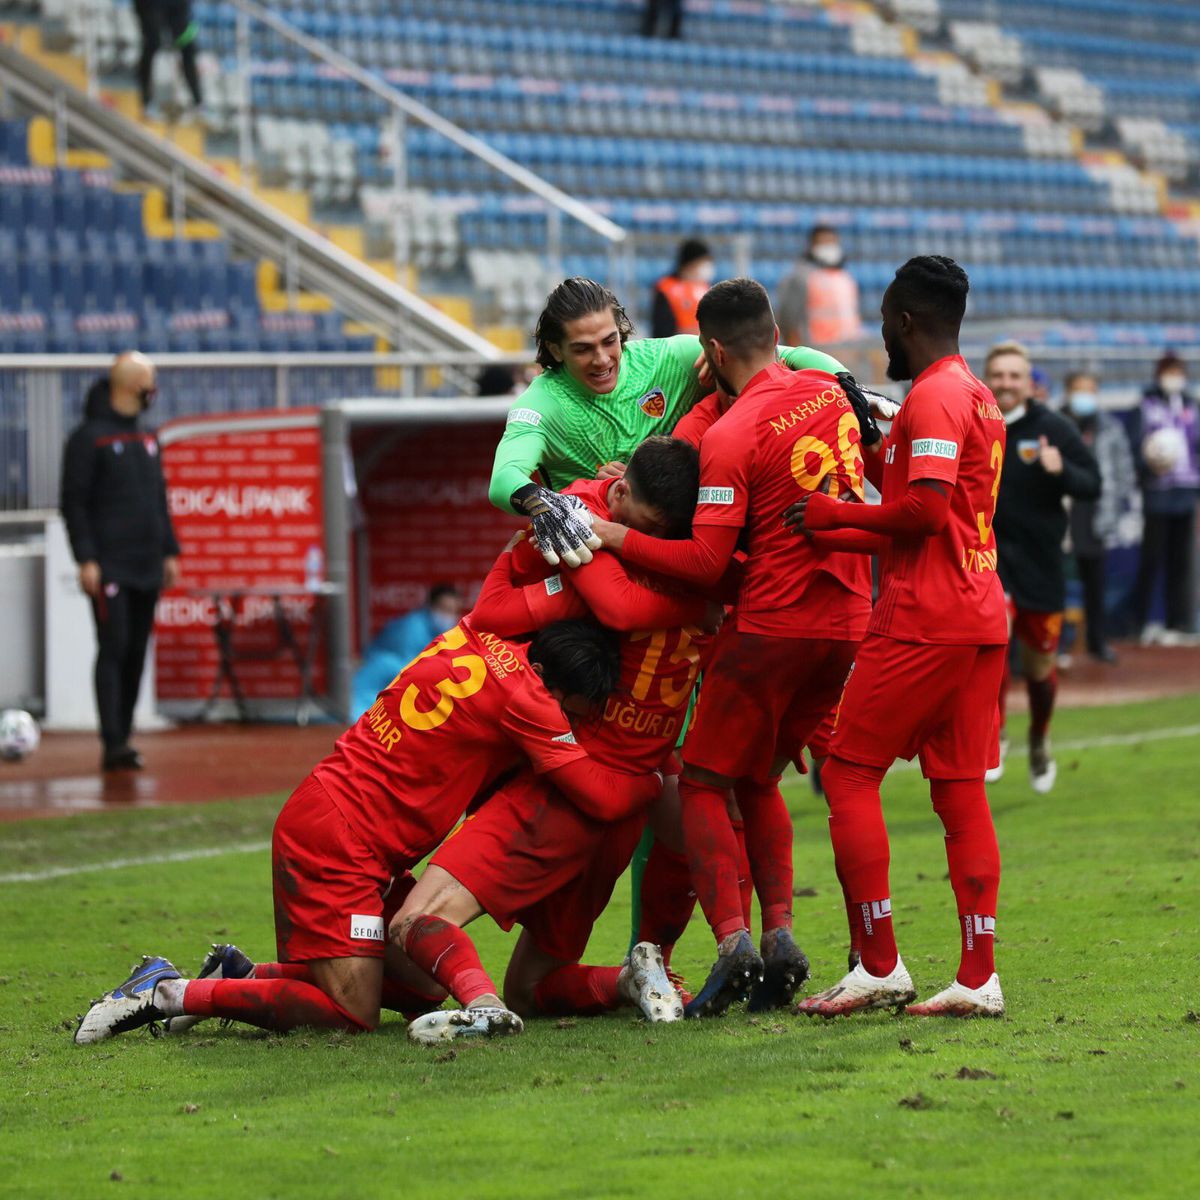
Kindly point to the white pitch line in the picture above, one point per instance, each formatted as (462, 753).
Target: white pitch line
(150, 860)
(117, 864)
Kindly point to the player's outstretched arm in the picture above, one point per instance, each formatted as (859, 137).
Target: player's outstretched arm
(922, 511)
(701, 560)
(507, 608)
(602, 793)
(624, 605)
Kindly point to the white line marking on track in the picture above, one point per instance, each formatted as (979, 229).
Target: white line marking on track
(150, 860)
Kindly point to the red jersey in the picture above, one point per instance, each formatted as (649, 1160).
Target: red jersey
(643, 717)
(785, 433)
(462, 712)
(945, 588)
(693, 425)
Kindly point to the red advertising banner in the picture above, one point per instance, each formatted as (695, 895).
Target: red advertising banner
(428, 518)
(245, 501)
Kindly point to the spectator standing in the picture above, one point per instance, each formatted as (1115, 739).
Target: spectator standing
(401, 640)
(658, 11)
(1045, 461)
(176, 17)
(1094, 523)
(114, 502)
(1165, 433)
(676, 295)
(818, 298)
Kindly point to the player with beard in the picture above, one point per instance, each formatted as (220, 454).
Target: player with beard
(925, 678)
(782, 658)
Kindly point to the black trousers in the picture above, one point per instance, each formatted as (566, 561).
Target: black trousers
(672, 10)
(176, 15)
(1168, 545)
(1091, 575)
(123, 624)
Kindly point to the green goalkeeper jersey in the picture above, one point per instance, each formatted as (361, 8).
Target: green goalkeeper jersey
(564, 432)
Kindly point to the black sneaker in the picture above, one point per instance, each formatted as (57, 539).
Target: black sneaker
(730, 980)
(785, 968)
(121, 758)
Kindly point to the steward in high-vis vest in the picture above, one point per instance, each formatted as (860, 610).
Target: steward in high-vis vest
(818, 299)
(676, 296)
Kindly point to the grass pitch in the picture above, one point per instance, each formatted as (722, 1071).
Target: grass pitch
(1088, 1088)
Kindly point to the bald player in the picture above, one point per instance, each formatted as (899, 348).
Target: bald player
(114, 503)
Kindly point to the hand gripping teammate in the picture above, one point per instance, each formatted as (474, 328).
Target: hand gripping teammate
(781, 660)
(468, 709)
(925, 678)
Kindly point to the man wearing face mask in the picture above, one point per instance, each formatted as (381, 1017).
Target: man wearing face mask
(1094, 523)
(1165, 433)
(818, 299)
(401, 640)
(1045, 461)
(676, 295)
(114, 503)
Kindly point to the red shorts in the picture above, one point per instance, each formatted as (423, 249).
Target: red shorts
(530, 857)
(1037, 630)
(763, 698)
(329, 887)
(908, 698)
(822, 737)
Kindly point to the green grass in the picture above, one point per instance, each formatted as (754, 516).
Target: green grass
(1090, 1089)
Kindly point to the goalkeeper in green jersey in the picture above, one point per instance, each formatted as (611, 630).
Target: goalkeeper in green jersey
(594, 403)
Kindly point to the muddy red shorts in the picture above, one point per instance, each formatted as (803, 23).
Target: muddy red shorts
(1037, 630)
(919, 698)
(530, 857)
(763, 698)
(329, 887)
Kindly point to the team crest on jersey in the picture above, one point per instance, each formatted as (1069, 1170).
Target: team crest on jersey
(1027, 451)
(654, 403)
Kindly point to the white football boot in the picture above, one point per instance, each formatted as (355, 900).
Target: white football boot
(448, 1024)
(996, 773)
(1043, 770)
(644, 983)
(958, 1000)
(857, 990)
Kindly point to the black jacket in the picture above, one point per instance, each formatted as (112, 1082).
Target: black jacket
(1031, 520)
(114, 496)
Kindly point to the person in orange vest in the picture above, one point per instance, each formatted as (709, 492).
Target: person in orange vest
(676, 295)
(818, 299)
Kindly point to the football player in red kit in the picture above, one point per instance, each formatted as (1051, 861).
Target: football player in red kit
(780, 662)
(468, 709)
(925, 678)
(528, 857)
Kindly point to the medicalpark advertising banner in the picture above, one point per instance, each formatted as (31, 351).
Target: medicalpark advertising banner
(245, 500)
(245, 493)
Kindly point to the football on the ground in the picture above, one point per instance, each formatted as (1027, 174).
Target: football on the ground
(19, 734)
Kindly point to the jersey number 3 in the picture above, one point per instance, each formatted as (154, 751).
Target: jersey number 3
(984, 521)
(449, 689)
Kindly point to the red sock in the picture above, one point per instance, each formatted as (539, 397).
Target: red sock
(860, 848)
(1041, 704)
(974, 861)
(745, 875)
(584, 991)
(279, 1004)
(769, 846)
(445, 953)
(282, 971)
(668, 900)
(712, 854)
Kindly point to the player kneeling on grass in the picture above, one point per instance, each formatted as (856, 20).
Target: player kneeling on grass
(529, 856)
(468, 709)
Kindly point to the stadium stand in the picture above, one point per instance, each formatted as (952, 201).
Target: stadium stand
(761, 120)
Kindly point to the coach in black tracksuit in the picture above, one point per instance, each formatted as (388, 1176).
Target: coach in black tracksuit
(114, 502)
(1045, 461)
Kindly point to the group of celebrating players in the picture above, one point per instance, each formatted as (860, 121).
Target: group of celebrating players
(565, 715)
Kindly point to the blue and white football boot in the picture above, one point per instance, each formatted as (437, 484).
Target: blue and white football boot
(730, 980)
(223, 961)
(130, 1005)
